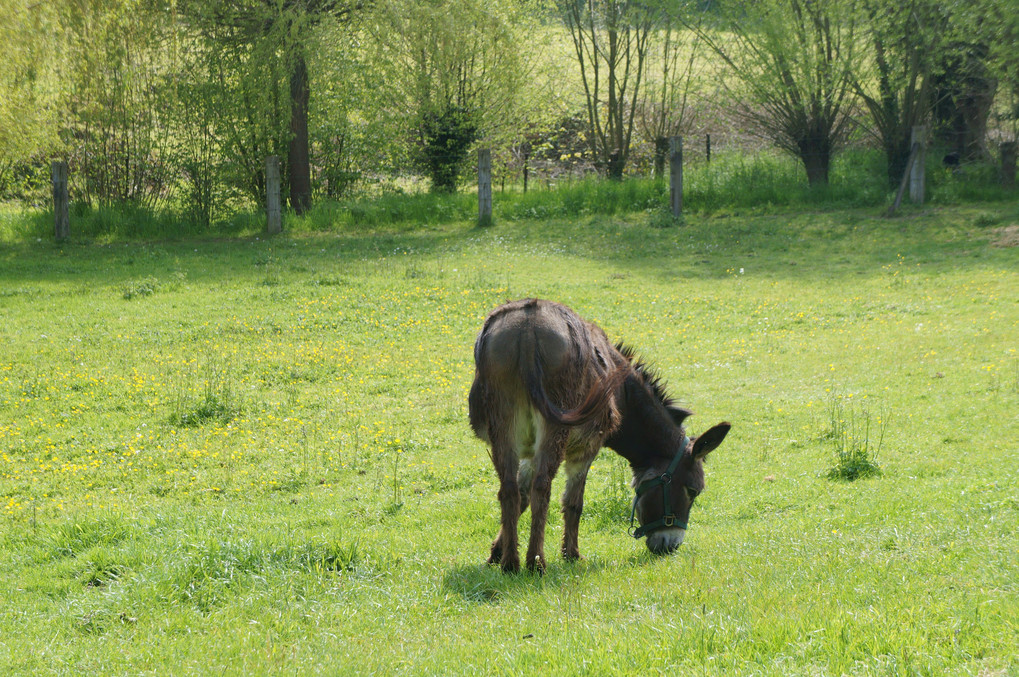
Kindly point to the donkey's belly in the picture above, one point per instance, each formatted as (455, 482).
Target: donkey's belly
(528, 433)
(530, 441)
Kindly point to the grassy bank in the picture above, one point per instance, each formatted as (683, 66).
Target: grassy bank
(251, 456)
(732, 183)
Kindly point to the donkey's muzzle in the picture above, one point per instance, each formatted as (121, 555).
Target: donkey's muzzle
(665, 541)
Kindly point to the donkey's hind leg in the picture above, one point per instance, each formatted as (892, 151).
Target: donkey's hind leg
(525, 476)
(546, 463)
(505, 548)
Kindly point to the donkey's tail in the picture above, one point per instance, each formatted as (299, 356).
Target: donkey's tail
(592, 407)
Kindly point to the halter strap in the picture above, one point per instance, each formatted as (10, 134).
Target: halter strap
(664, 481)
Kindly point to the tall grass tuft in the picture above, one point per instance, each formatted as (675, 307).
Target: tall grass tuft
(208, 396)
(77, 536)
(849, 432)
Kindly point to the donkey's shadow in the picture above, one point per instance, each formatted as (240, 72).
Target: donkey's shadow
(487, 584)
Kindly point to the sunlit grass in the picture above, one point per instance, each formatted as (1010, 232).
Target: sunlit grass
(262, 463)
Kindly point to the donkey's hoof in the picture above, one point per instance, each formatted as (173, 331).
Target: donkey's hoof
(511, 565)
(536, 564)
(573, 556)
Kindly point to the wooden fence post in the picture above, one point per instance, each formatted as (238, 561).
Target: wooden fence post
(61, 202)
(707, 146)
(273, 212)
(527, 157)
(918, 173)
(484, 187)
(676, 175)
(1009, 150)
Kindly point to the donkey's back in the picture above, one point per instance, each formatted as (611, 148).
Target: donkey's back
(540, 355)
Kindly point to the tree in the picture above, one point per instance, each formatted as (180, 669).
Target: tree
(966, 82)
(115, 98)
(1004, 40)
(675, 66)
(28, 100)
(897, 84)
(790, 59)
(279, 32)
(240, 85)
(611, 40)
(455, 74)
(349, 137)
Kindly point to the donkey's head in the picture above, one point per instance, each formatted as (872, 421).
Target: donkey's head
(665, 492)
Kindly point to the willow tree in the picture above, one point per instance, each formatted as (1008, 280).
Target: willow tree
(1005, 61)
(966, 80)
(115, 72)
(896, 83)
(676, 67)
(791, 60)
(611, 40)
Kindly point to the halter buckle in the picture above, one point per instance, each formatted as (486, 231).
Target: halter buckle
(669, 520)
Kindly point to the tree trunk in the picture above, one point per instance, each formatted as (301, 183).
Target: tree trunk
(817, 162)
(661, 153)
(1009, 151)
(974, 110)
(615, 166)
(897, 153)
(298, 160)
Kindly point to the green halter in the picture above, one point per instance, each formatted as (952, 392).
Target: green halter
(664, 481)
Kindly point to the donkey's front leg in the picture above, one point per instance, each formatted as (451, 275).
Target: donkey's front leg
(505, 548)
(573, 506)
(546, 463)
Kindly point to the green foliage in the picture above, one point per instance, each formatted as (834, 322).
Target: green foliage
(849, 432)
(351, 143)
(76, 537)
(792, 61)
(167, 112)
(29, 32)
(731, 184)
(896, 85)
(206, 396)
(145, 287)
(446, 138)
(242, 79)
(455, 72)
(212, 572)
(117, 100)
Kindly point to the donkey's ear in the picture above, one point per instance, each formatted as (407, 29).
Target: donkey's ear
(679, 414)
(710, 439)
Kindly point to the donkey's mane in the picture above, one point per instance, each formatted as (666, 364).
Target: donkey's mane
(648, 375)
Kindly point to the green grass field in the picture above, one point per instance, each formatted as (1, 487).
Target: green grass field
(253, 457)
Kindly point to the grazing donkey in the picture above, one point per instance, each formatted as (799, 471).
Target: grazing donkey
(550, 387)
